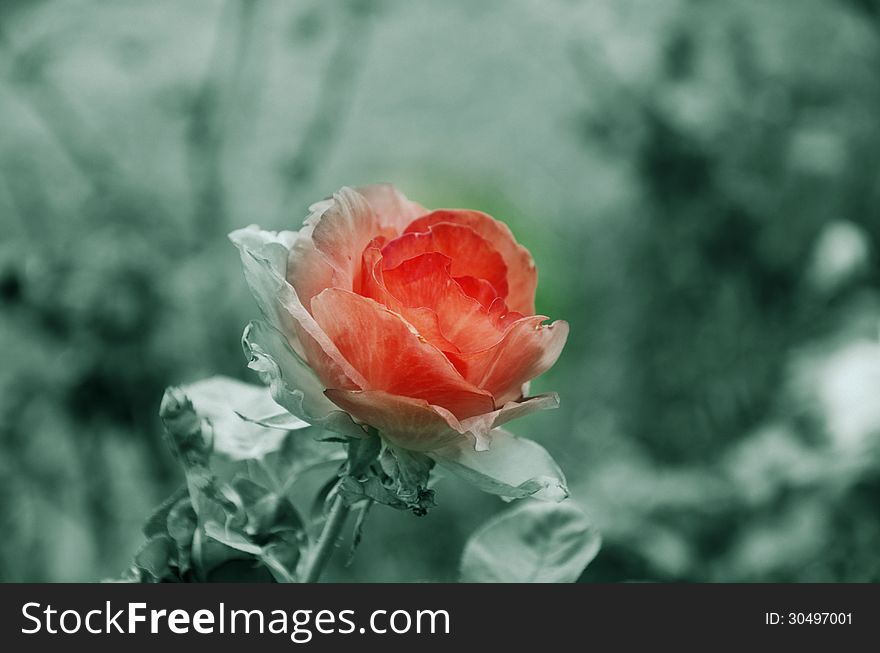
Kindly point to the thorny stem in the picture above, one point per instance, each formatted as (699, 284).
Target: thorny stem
(327, 540)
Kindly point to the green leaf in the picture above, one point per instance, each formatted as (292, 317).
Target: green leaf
(232, 539)
(534, 542)
(380, 472)
(209, 554)
(279, 570)
(410, 472)
(181, 524)
(412, 469)
(354, 490)
(283, 421)
(282, 553)
(358, 533)
(362, 453)
(185, 429)
(241, 494)
(259, 512)
(221, 401)
(512, 468)
(273, 513)
(157, 523)
(240, 570)
(301, 452)
(131, 575)
(154, 557)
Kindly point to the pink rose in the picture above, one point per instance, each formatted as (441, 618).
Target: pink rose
(420, 324)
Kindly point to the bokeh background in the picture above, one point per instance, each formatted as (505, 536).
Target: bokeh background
(699, 183)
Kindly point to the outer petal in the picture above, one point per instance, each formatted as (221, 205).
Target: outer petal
(391, 207)
(330, 245)
(522, 275)
(409, 423)
(264, 260)
(263, 256)
(328, 252)
(416, 425)
(527, 350)
(291, 382)
(481, 426)
(308, 271)
(391, 356)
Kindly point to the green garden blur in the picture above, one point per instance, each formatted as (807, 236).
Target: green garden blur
(699, 183)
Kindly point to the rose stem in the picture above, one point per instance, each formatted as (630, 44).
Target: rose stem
(327, 540)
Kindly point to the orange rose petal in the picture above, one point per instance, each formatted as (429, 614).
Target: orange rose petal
(417, 425)
(328, 370)
(264, 258)
(471, 254)
(372, 280)
(501, 317)
(427, 323)
(308, 271)
(522, 275)
(384, 349)
(425, 320)
(528, 349)
(479, 289)
(410, 423)
(340, 230)
(425, 281)
(393, 210)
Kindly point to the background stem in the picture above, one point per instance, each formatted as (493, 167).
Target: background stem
(327, 540)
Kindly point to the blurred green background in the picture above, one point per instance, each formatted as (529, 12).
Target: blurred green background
(699, 183)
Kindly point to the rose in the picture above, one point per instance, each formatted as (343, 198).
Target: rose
(419, 324)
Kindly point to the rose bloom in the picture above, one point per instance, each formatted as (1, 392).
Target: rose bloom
(420, 324)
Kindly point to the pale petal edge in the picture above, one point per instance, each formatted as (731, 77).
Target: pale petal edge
(291, 383)
(416, 425)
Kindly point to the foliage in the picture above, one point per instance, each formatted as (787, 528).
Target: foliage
(531, 543)
(235, 519)
(239, 523)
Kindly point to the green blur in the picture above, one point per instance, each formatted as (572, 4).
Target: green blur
(699, 183)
